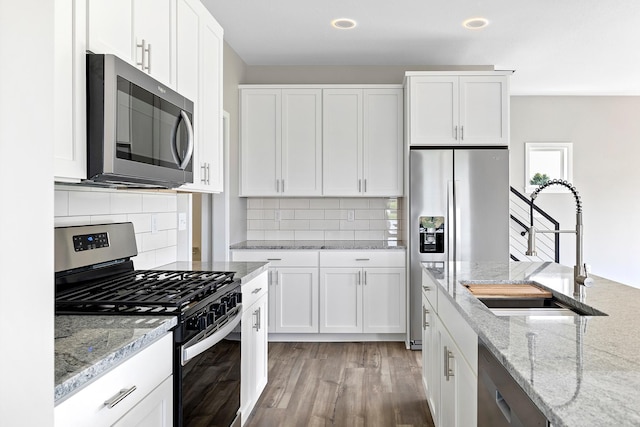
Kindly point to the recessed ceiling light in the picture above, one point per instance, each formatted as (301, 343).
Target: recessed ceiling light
(475, 23)
(343, 23)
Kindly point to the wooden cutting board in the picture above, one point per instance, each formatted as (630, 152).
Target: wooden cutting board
(507, 290)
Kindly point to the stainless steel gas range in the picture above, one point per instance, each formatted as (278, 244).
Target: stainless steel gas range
(95, 275)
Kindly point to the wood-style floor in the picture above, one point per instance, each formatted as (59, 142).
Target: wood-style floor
(373, 384)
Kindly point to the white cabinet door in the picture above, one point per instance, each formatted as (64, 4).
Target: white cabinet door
(484, 110)
(340, 300)
(383, 143)
(384, 300)
(458, 386)
(433, 110)
(296, 300)
(69, 114)
(430, 358)
(155, 410)
(342, 142)
(199, 78)
(153, 23)
(301, 151)
(260, 313)
(260, 137)
(109, 27)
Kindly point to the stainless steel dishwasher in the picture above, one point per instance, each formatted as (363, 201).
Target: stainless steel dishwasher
(501, 401)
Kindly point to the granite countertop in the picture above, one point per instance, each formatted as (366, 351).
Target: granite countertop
(583, 371)
(320, 244)
(88, 346)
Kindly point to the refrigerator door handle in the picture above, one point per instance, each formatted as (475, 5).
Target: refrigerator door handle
(451, 227)
(457, 225)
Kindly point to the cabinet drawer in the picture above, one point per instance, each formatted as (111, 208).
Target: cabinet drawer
(430, 290)
(254, 289)
(144, 370)
(278, 258)
(393, 258)
(465, 338)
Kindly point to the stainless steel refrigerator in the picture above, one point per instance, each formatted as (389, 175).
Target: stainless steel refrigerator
(458, 211)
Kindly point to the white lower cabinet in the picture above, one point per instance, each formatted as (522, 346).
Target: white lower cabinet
(144, 383)
(449, 361)
(362, 292)
(293, 288)
(254, 364)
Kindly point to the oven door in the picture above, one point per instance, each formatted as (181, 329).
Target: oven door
(208, 377)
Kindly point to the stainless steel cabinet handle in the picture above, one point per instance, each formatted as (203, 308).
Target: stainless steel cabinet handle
(277, 185)
(208, 174)
(149, 58)
(359, 185)
(255, 291)
(455, 133)
(425, 324)
(359, 278)
(119, 397)
(462, 133)
(283, 185)
(365, 185)
(203, 168)
(448, 355)
(274, 259)
(365, 277)
(256, 313)
(427, 288)
(363, 259)
(142, 51)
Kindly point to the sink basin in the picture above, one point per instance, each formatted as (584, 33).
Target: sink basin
(527, 299)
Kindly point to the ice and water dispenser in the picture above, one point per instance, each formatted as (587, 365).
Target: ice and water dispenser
(432, 234)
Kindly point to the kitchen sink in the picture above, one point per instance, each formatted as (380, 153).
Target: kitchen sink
(527, 299)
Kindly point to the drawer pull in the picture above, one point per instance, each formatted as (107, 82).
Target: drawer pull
(119, 397)
(363, 259)
(255, 291)
(274, 259)
(426, 288)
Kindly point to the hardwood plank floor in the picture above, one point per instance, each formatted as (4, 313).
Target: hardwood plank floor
(372, 384)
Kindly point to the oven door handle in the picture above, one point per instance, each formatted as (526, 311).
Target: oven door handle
(189, 351)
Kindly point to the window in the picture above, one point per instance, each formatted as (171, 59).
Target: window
(545, 161)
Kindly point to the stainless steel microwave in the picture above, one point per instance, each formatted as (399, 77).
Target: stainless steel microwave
(139, 132)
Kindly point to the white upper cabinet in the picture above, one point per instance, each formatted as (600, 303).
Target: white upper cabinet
(362, 142)
(281, 142)
(70, 134)
(458, 108)
(138, 31)
(199, 78)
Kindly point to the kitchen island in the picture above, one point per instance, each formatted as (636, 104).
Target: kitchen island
(579, 371)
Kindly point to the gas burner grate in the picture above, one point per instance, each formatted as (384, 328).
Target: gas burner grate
(144, 290)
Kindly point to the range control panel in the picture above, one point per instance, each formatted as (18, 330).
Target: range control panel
(87, 242)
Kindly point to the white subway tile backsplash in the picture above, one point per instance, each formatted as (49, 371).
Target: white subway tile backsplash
(76, 205)
(122, 202)
(89, 203)
(294, 203)
(309, 214)
(279, 235)
(108, 219)
(309, 235)
(61, 203)
(322, 218)
(354, 203)
(324, 204)
(339, 235)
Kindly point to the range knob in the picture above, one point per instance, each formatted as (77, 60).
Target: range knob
(202, 323)
(229, 301)
(238, 297)
(220, 309)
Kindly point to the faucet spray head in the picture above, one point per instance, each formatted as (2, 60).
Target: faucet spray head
(531, 247)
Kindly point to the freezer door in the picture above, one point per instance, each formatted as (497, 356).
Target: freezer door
(430, 175)
(481, 205)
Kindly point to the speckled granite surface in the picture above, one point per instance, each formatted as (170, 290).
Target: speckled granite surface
(582, 371)
(319, 244)
(88, 346)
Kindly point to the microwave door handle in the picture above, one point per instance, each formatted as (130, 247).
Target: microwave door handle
(182, 163)
(187, 157)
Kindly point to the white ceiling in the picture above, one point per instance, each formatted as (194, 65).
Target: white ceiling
(555, 46)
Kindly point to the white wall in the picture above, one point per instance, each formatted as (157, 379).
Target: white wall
(605, 132)
(95, 205)
(26, 217)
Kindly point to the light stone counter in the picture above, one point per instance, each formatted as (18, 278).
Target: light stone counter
(581, 371)
(87, 347)
(319, 244)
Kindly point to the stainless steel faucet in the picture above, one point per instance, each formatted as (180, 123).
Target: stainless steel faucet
(580, 276)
